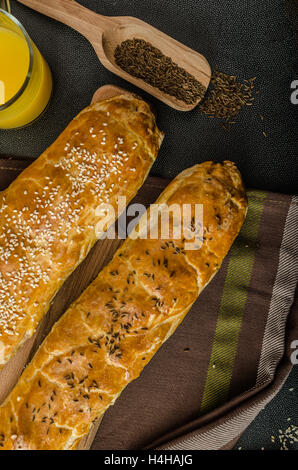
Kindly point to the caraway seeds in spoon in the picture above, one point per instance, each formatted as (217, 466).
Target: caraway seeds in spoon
(142, 60)
(225, 96)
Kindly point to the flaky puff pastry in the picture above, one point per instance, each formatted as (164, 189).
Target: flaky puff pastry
(109, 334)
(48, 215)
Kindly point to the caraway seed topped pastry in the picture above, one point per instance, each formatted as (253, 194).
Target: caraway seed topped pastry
(111, 332)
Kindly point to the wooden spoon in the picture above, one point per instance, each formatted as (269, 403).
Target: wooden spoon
(106, 33)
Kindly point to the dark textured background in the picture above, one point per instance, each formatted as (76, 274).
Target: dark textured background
(243, 37)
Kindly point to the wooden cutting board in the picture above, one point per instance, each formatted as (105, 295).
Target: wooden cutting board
(98, 257)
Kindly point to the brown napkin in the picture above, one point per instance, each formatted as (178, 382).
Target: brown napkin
(232, 353)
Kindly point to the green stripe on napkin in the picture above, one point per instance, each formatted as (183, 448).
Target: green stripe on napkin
(233, 301)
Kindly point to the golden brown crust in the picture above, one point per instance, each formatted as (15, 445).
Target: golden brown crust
(48, 214)
(109, 334)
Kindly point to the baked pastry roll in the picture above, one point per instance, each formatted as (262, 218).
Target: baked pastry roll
(105, 339)
(48, 215)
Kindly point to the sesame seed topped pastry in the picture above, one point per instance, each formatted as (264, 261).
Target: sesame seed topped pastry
(111, 332)
(48, 214)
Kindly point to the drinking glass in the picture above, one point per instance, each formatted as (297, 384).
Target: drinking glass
(25, 77)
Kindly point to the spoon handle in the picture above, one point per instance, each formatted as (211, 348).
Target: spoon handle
(72, 14)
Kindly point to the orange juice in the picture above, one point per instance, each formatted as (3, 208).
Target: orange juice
(14, 64)
(25, 78)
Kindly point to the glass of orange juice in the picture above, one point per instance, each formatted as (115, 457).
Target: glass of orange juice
(25, 77)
